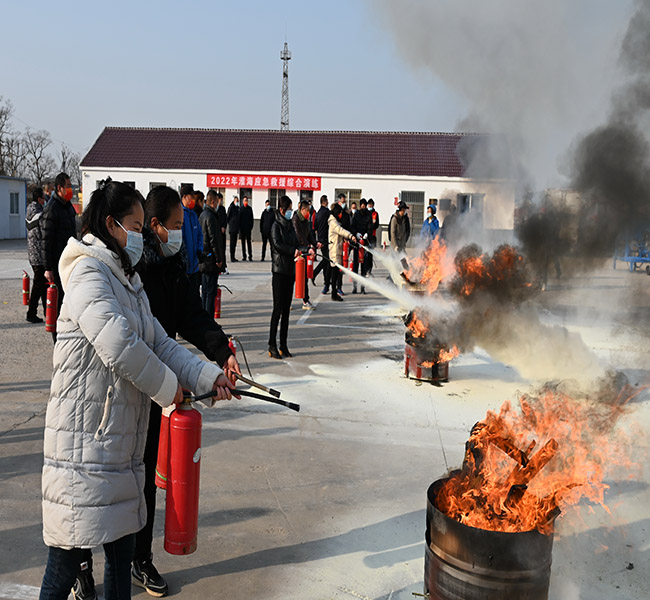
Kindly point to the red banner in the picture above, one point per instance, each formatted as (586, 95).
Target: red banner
(280, 182)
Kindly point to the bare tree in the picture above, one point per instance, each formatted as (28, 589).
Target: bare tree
(70, 164)
(40, 164)
(14, 154)
(6, 112)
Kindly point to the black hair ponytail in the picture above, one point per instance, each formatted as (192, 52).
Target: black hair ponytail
(115, 199)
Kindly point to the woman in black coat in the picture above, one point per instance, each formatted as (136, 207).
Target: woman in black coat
(284, 249)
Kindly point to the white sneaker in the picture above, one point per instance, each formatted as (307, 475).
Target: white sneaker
(307, 305)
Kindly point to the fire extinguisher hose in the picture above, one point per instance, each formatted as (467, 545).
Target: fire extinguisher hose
(290, 405)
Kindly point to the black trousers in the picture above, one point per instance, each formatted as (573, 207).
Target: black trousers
(223, 245)
(195, 282)
(324, 266)
(282, 295)
(246, 241)
(233, 244)
(265, 240)
(39, 291)
(336, 279)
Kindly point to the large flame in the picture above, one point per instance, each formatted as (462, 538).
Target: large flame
(523, 467)
(432, 266)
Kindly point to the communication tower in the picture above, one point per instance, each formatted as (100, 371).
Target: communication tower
(285, 56)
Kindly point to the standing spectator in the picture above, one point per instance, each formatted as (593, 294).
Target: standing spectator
(199, 200)
(399, 229)
(246, 222)
(223, 224)
(192, 236)
(306, 242)
(431, 226)
(345, 215)
(120, 359)
(266, 221)
(284, 249)
(372, 234)
(47, 191)
(35, 254)
(361, 224)
(213, 252)
(58, 225)
(449, 224)
(337, 233)
(322, 236)
(233, 226)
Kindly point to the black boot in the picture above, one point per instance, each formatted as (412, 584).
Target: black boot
(284, 351)
(273, 353)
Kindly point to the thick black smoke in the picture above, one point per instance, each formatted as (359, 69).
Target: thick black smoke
(610, 169)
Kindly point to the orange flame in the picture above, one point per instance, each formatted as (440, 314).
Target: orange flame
(418, 327)
(432, 266)
(505, 485)
(447, 355)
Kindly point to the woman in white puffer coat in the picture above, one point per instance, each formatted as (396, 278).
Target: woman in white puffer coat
(111, 358)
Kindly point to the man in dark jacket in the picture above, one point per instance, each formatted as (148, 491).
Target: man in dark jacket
(266, 221)
(372, 234)
(223, 224)
(246, 222)
(58, 225)
(322, 236)
(35, 254)
(361, 225)
(346, 220)
(213, 252)
(233, 217)
(306, 241)
(284, 249)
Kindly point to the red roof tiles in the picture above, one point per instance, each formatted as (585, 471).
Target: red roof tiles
(344, 152)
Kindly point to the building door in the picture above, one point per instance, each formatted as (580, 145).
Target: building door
(248, 192)
(415, 202)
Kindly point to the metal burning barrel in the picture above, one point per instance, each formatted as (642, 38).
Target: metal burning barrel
(466, 563)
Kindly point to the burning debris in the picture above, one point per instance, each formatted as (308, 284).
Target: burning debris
(522, 468)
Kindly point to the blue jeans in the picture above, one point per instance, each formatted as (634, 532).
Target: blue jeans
(63, 567)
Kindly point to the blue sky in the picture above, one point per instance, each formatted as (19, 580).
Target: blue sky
(76, 67)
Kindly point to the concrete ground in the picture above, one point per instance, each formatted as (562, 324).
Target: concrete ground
(329, 503)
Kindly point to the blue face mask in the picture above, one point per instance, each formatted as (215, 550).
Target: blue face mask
(288, 215)
(134, 245)
(174, 241)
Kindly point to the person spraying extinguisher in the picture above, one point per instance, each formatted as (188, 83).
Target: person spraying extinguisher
(284, 251)
(303, 227)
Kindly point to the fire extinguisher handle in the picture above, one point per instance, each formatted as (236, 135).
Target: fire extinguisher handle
(225, 287)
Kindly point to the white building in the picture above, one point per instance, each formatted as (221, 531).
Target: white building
(418, 168)
(13, 203)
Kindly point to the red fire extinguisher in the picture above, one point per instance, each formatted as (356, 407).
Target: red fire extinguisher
(232, 344)
(217, 304)
(182, 501)
(162, 462)
(25, 289)
(346, 251)
(300, 277)
(310, 267)
(362, 252)
(51, 308)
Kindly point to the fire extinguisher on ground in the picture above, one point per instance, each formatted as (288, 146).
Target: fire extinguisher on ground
(25, 289)
(184, 466)
(217, 301)
(300, 277)
(51, 308)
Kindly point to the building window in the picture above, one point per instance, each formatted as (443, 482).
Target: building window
(351, 195)
(306, 195)
(470, 202)
(153, 184)
(248, 192)
(415, 202)
(445, 204)
(275, 195)
(14, 200)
